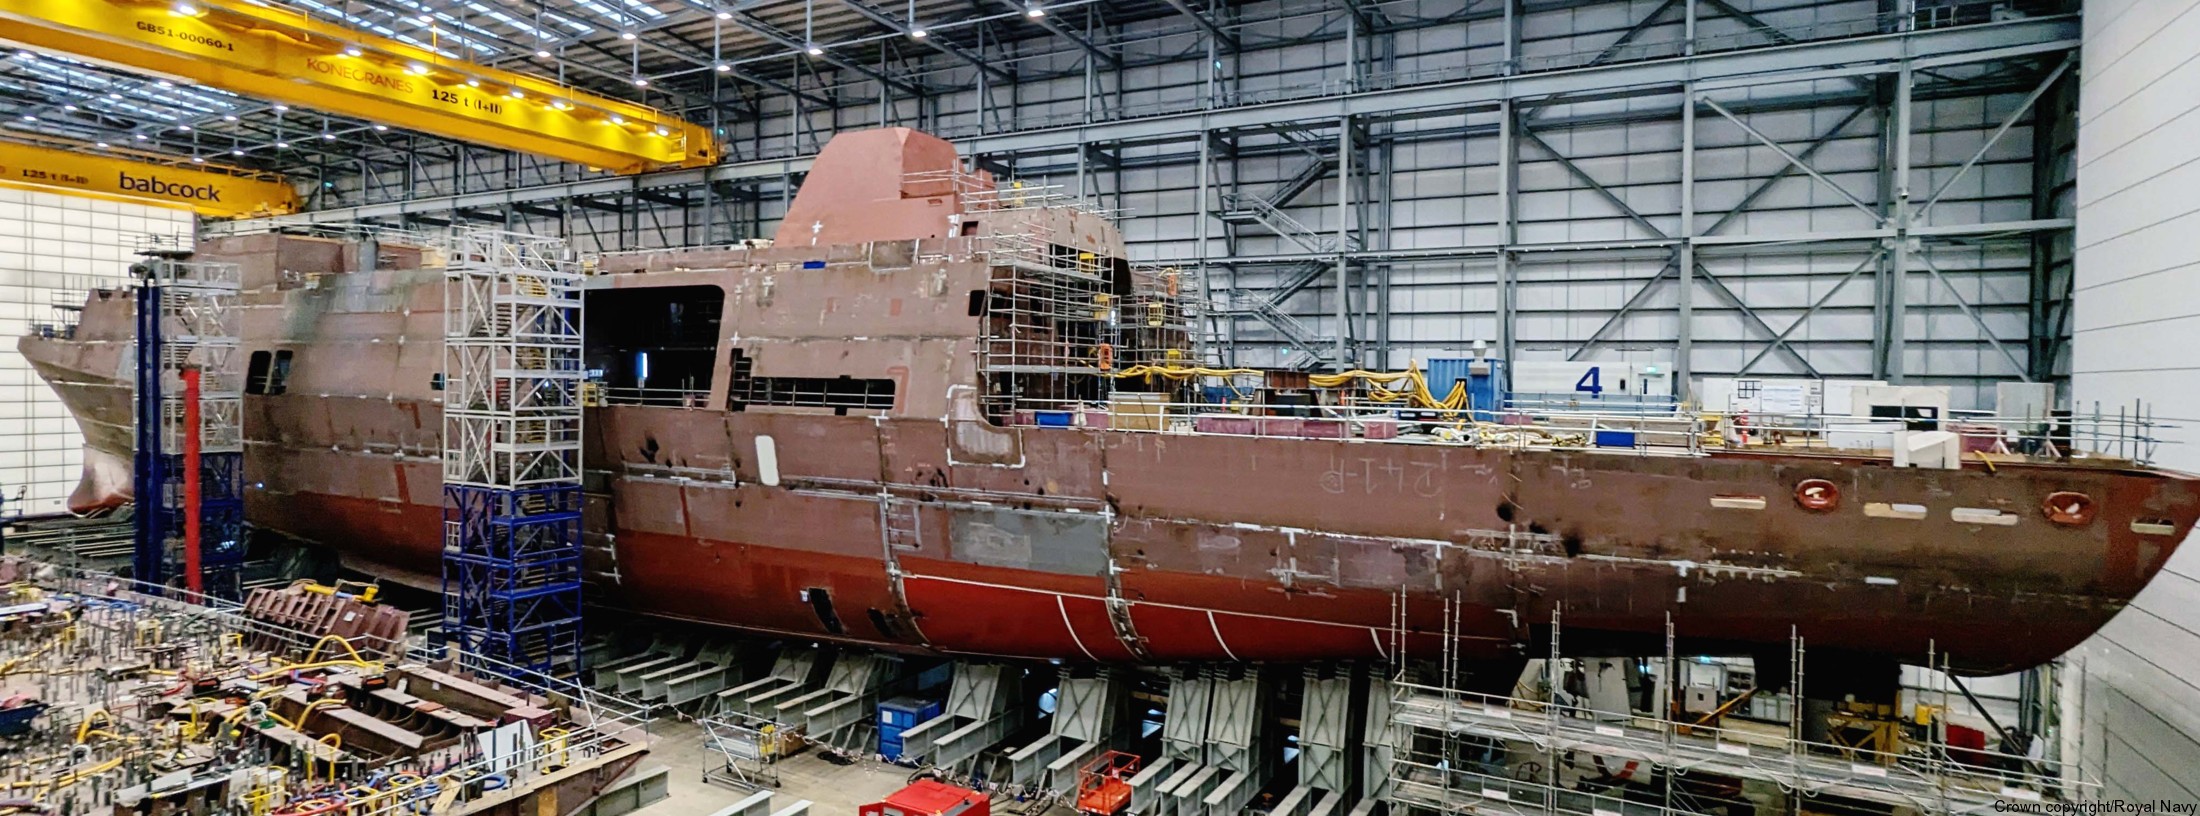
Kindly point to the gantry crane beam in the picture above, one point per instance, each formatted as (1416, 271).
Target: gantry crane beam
(285, 56)
(206, 189)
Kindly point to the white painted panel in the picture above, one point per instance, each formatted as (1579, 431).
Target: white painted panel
(2139, 154)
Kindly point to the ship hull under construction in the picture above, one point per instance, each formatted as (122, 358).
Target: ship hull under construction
(923, 521)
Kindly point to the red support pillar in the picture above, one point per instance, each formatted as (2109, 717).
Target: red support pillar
(192, 579)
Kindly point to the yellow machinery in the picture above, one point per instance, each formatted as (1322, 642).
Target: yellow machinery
(284, 56)
(204, 188)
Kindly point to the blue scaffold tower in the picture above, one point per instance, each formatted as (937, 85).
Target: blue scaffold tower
(512, 451)
(187, 328)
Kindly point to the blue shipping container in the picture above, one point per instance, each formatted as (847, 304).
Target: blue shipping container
(1442, 372)
(898, 715)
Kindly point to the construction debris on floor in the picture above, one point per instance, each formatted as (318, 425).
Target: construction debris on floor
(302, 702)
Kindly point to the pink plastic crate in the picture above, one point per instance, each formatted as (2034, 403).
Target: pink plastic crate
(1224, 424)
(1379, 429)
(1322, 428)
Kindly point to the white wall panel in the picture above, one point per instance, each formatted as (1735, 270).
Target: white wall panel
(2136, 320)
(51, 244)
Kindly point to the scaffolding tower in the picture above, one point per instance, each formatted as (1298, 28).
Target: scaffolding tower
(512, 450)
(190, 521)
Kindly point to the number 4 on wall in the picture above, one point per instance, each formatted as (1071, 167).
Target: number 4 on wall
(1592, 381)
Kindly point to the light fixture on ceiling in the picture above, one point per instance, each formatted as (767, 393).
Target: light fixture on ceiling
(229, 117)
(542, 53)
(813, 50)
(327, 136)
(1033, 10)
(381, 128)
(99, 144)
(626, 35)
(641, 82)
(165, 84)
(183, 128)
(236, 152)
(282, 145)
(138, 136)
(725, 68)
(29, 118)
(114, 96)
(281, 108)
(916, 33)
(69, 108)
(725, 15)
(197, 160)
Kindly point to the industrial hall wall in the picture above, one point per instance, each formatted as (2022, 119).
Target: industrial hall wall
(2134, 689)
(52, 249)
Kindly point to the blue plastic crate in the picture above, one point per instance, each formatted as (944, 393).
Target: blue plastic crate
(1615, 439)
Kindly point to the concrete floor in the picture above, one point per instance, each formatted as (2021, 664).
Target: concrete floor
(833, 790)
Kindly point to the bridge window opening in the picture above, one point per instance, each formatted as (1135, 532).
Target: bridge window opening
(655, 345)
(268, 373)
(842, 393)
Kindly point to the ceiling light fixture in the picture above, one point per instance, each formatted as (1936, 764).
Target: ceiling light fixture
(281, 108)
(99, 144)
(236, 152)
(184, 128)
(813, 50)
(626, 35)
(29, 118)
(380, 128)
(1034, 11)
(724, 68)
(229, 117)
(197, 160)
(916, 33)
(542, 53)
(640, 82)
(138, 136)
(328, 137)
(69, 108)
(725, 15)
(282, 144)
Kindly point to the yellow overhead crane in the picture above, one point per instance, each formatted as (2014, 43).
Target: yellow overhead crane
(282, 55)
(207, 189)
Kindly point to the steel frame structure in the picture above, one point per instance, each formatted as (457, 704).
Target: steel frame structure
(1221, 104)
(187, 321)
(512, 450)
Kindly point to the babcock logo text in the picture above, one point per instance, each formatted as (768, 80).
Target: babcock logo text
(163, 187)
